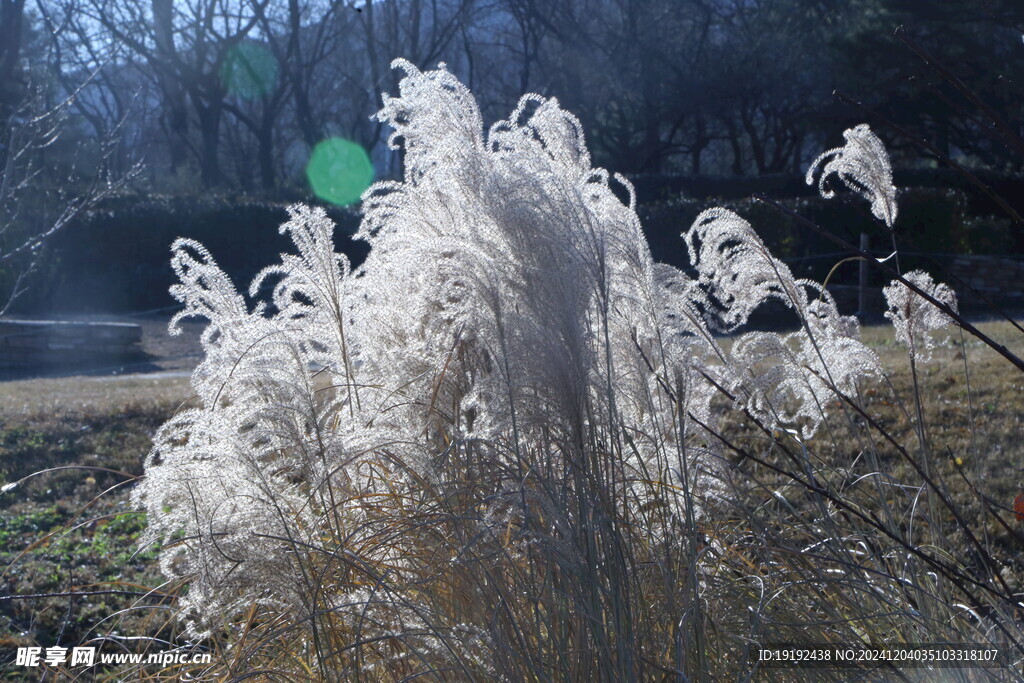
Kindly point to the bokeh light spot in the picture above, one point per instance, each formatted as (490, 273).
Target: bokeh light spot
(249, 70)
(339, 171)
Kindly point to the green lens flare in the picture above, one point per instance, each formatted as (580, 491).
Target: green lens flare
(249, 71)
(339, 171)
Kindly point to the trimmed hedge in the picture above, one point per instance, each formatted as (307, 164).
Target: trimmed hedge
(116, 258)
(932, 221)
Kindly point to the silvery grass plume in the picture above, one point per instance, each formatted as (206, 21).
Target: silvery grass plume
(785, 380)
(507, 259)
(863, 166)
(508, 340)
(918, 323)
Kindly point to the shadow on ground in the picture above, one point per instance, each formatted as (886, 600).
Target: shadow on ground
(138, 363)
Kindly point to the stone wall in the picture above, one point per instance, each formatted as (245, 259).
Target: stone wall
(999, 278)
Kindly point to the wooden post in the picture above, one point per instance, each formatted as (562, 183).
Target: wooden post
(862, 288)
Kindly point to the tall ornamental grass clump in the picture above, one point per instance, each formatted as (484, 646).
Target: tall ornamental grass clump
(510, 445)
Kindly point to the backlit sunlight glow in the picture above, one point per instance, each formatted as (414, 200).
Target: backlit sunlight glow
(339, 171)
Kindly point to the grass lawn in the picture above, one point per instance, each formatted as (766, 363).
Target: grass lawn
(71, 529)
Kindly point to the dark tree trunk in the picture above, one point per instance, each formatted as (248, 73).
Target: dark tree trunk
(756, 144)
(300, 78)
(12, 14)
(737, 147)
(174, 114)
(209, 156)
(265, 139)
(700, 143)
(651, 158)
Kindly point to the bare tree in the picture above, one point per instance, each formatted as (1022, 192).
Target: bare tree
(301, 37)
(37, 196)
(298, 37)
(184, 46)
(422, 32)
(12, 85)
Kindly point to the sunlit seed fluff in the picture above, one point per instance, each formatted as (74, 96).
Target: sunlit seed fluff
(784, 380)
(918, 323)
(509, 314)
(862, 164)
